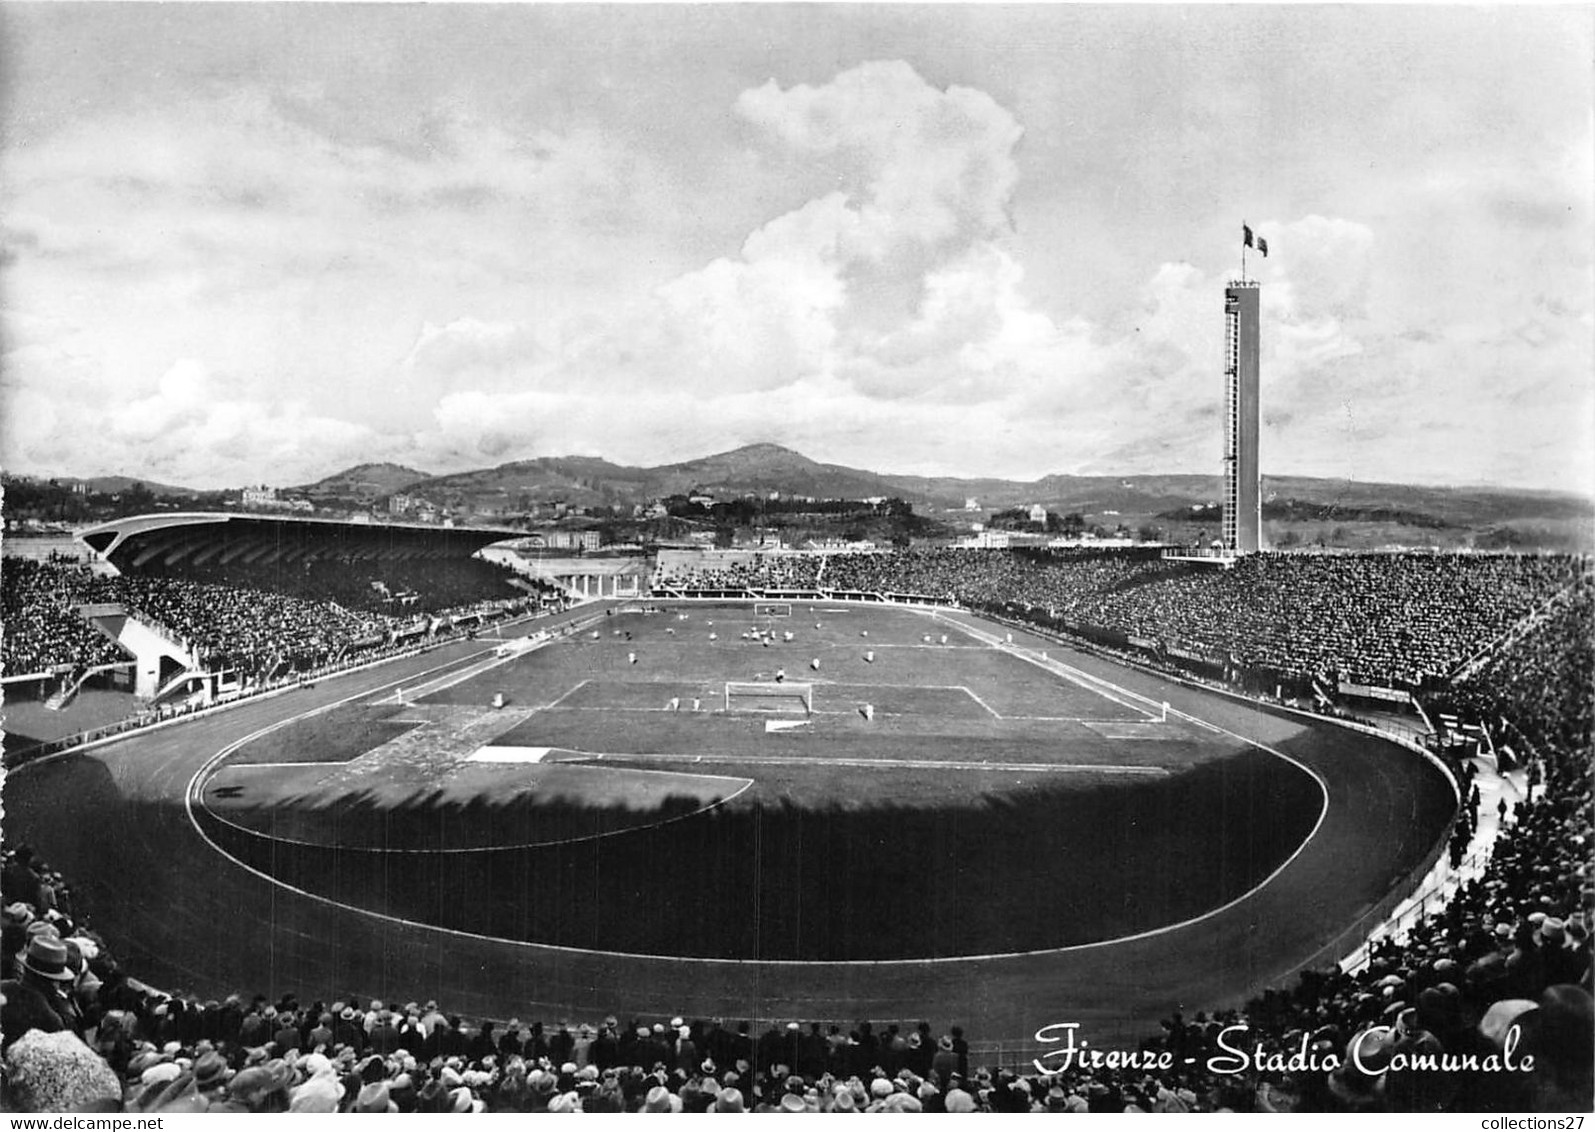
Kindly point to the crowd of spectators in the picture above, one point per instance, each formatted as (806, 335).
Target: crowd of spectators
(251, 620)
(397, 587)
(1405, 620)
(38, 604)
(1500, 975)
(758, 570)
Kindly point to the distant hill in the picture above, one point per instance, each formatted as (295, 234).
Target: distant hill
(110, 485)
(364, 482)
(759, 469)
(583, 481)
(1404, 514)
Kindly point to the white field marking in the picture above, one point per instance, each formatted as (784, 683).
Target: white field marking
(508, 755)
(1122, 729)
(1085, 719)
(492, 661)
(937, 764)
(430, 687)
(560, 948)
(279, 766)
(970, 692)
(783, 724)
(1104, 688)
(578, 686)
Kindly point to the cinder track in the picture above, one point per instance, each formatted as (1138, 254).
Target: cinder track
(181, 916)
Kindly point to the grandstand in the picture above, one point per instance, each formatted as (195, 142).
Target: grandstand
(178, 610)
(1028, 647)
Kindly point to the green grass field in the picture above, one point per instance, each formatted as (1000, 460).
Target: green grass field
(941, 826)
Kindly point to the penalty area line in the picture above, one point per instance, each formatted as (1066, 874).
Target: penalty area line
(972, 694)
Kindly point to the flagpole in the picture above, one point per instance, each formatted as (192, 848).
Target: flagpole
(1243, 251)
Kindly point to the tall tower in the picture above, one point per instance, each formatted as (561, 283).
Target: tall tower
(1243, 516)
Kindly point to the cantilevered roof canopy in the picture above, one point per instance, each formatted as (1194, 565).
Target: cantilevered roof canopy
(218, 538)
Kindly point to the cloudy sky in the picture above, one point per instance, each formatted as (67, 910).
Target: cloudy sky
(260, 242)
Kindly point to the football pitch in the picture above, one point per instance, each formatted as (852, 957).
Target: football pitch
(896, 784)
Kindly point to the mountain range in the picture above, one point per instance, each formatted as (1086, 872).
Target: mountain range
(1368, 514)
(760, 469)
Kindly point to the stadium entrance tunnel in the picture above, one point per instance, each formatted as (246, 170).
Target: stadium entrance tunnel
(711, 873)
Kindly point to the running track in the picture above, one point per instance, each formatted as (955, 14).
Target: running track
(112, 819)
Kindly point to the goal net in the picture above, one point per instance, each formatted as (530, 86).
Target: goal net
(783, 697)
(772, 609)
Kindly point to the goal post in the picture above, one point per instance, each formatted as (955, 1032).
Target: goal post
(769, 696)
(772, 609)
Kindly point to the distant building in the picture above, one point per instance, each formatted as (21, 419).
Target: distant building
(984, 540)
(261, 496)
(399, 503)
(971, 504)
(838, 546)
(1038, 513)
(564, 540)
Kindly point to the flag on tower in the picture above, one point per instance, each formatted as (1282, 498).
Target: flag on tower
(1246, 236)
(1262, 246)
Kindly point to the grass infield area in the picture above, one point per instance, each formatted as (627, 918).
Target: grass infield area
(595, 793)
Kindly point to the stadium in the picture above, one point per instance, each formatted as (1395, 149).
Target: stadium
(1090, 737)
(883, 794)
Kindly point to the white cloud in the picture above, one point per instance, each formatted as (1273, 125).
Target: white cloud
(920, 165)
(462, 275)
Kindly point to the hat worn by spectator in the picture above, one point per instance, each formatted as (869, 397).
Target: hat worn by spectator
(1499, 1019)
(46, 958)
(729, 1100)
(141, 1061)
(959, 1101)
(1360, 1078)
(320, 1093)
(252, 1086)
(160, 1072)
(462, 1100)
(58, 1073)
(658, 1100)
(178, 1095)
(210, 1071)
(374, 1098)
